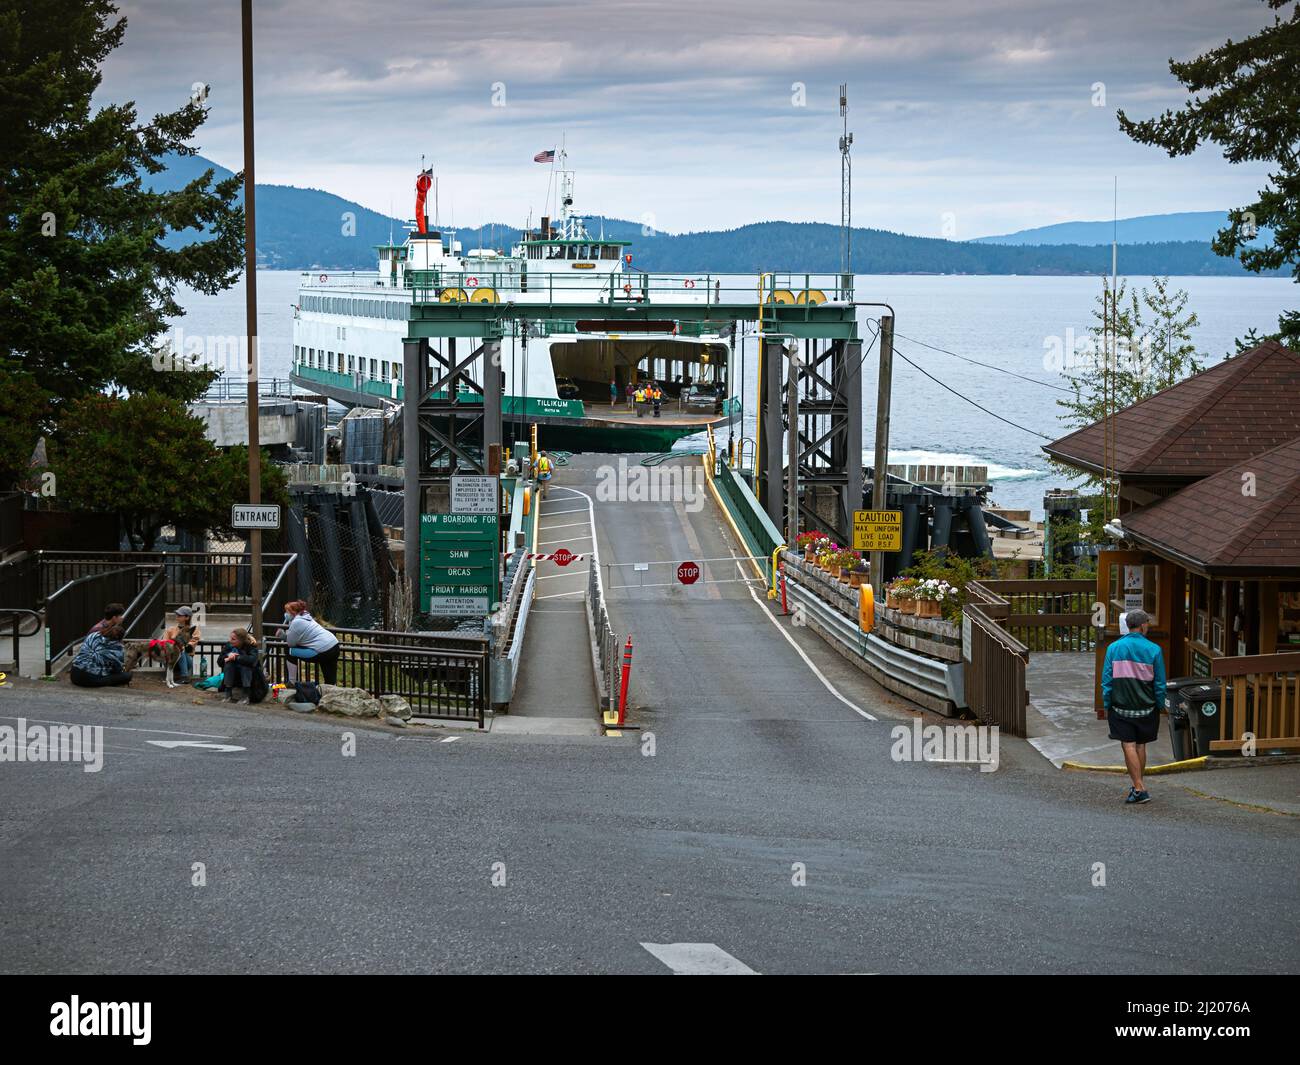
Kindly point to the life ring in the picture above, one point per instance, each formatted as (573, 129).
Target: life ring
(688, 283)
(324, 278)
(471, 282)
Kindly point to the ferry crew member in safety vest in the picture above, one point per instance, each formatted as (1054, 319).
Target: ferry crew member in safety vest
(544, 470)
(640, 402)
(1133, 693)
(656, 397)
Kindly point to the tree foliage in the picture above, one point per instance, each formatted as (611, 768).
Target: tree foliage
(146, 459)
(1246, 99)
(1150, 350)
(24, 414)
(86, 279)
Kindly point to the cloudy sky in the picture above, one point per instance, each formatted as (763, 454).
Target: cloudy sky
(704, 114)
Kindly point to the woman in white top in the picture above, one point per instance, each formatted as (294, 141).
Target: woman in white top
(310, 641)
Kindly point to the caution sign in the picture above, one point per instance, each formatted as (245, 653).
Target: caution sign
(877, 530)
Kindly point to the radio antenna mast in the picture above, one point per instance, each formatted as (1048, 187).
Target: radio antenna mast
(846, 187)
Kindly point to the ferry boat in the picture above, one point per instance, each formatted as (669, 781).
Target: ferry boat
(349, 327)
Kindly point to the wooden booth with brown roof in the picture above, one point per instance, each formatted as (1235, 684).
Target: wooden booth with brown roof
(1208, 481)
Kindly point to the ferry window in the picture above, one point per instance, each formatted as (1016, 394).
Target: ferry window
(387, 373)
(557, 252)
(350, 363)
(573, 251)
(610, 251)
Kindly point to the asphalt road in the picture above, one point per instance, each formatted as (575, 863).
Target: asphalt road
(385, 860)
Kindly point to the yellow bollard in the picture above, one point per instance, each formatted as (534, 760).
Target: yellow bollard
(528, 500)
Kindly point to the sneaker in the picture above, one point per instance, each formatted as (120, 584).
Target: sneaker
(1135, 796)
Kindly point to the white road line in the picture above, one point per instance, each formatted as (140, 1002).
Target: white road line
(571, 510)
(224, 748)
(698, 959)
(119, 728)
(571, 525)
(567, 539)
(571, 573)
(808, 661)
(561, 595)
(450, 739)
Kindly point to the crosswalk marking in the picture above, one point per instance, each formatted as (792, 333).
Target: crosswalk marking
(698, 959)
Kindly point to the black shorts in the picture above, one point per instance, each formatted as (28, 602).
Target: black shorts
(1134, 729)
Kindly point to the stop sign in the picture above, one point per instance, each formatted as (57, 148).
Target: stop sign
(563, 556)
(688, 573)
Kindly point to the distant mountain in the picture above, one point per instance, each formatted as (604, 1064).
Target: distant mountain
(307, 229)
(1200, 226)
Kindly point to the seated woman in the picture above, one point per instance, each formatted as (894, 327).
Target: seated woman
(100, 663)
(310, 641)
(243, 680)
(185, 664)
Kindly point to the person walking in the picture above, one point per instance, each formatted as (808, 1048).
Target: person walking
(310, 641)
(613, 393)
(544, 471)
(639, 398)
(1133, 694)
(100, 662)
(656, 398)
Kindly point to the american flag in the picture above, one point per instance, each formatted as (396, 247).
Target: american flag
(547, 156)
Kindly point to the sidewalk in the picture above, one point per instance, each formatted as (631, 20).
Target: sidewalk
(1063, 727)
(555, 680)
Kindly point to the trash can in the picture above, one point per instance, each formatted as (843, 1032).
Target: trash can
(1201, 704)
(1179, 736)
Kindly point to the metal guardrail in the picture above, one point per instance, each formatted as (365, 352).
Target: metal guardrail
(941, 681)
(12, 615)
(605, 642)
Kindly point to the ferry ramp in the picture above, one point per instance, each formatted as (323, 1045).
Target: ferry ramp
(706, 656)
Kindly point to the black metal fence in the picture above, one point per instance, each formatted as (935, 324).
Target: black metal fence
(147, 612)
(73, 609)
(437, 682)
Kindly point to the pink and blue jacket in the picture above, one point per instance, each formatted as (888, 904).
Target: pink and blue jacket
(1133, 676)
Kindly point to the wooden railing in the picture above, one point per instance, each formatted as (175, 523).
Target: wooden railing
(995, 668)
(1260, 695)
(1051, 615)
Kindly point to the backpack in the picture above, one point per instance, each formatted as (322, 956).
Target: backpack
(306, 691)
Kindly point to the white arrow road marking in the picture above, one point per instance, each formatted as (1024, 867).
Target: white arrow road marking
(698, 959)
(450, 739)
(225, 748)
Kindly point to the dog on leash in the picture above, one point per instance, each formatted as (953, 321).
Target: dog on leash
(163, 651)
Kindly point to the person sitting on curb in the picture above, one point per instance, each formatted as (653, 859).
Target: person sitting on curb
(185, 664)
(243, 680)
(113, 615)
(1133, 693)
(101, 660)
(310, 641)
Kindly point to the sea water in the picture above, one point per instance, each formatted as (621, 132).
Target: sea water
(1012, 322)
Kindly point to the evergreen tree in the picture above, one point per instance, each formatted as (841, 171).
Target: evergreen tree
(86, 279)
(1246, 99)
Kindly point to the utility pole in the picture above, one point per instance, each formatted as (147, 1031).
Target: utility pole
(250, 294)
(792, 444)
(880, 464)
(846, 189)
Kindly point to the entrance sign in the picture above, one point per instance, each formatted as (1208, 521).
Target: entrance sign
(255, 516)
(474, 495)
(877, 530)
(688, 572)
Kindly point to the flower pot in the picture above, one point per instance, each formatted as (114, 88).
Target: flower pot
(892, 601)
(810, 555)
(907, 606)
(855, 579)
(928, 608)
